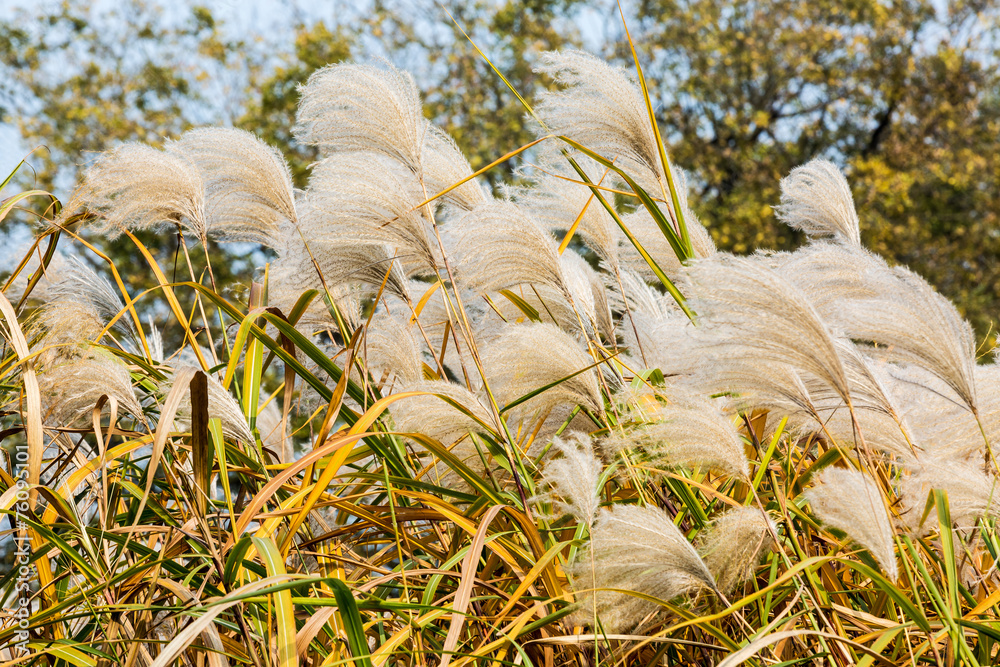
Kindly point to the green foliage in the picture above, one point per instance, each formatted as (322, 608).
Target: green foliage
(899, 93)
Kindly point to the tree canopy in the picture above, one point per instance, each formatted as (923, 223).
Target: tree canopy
(902, 94)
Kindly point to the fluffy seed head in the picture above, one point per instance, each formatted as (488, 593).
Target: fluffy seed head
(137, 187)
(350, 107)
(816, 198)
(601, 108)
(636, 549)
(248, 187)
(573, 478)
(360, 199)
(499, 246)
(689, 431)
(734, 544)
(850, 501)
(527, 357)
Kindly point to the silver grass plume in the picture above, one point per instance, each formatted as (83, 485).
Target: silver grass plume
(80, 284)
(645, 229)
(70, 388)
(74, 372)
(875, 409)
(558, 203)
(155, 341)
(390, 349)
(850, 501)
(831, 273)
(601, 108)
(50, 275)
(972, 494)
(221, 405)
(816, 198)
(434, 318)
(248, 187)
(987, 379)
(350, 107)
(943, 426)
(734, 544)
(636, 549)
(585, 305)
(752, 384)
(604, 320)
(436, 417)
(358, 198)
(641, 224)
(269, 423)
(573, 479)
(444, 165)
(340, 264)
(550, 304)
(916, 324)
(640, 296)
(526, 357)
(579, 278)
(136, 187)
(859, 294)
(701, 241)
(655, 330)
(689, 431)
(749, 311)
(499, 246)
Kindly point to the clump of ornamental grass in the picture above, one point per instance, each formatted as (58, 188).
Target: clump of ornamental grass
(551, 424)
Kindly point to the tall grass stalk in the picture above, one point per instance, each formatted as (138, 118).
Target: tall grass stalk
(621, 447)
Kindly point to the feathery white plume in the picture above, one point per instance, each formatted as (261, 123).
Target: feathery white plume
(637, 549)
(358, 198)
(438, 417)
(601, 108)
(449, 413)
(499, 246)
(971, 492)
(443, 166)
(851, 502)
(916, 324)
(70, 388)
(573, 478)
(74, 372)
(816, 198)
(527, 357)
(50, 275)
(248, 187)
(866, 300)
(340, 263)
(734, 544)
(749, 311)
(689, 431)
(558, 204)
(80, 284)
(831, 273)
(350, 107)
(390, 349)
(136, 187)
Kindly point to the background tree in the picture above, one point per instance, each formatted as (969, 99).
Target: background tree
(80, 79)
(900, 94)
